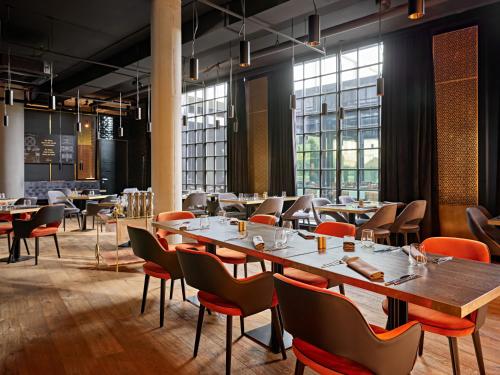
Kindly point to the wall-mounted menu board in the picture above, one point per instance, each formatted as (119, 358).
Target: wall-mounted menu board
(41, 148)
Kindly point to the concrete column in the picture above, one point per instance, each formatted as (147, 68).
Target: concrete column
(12, 152)
(166, 75)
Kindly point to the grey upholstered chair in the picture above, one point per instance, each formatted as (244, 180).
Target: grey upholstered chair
(299, 210)
(196, 203)
(232, 209)
(319, 218)
(346, 199)
(360, 219)
(58, 197)
(271, 206)
(478, 225)
(380, 223)
(409, 220)
(485, 211)
(130, 190)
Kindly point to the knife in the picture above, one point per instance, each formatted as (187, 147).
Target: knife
(394, 281)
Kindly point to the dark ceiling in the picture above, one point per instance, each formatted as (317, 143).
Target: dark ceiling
(115, 33)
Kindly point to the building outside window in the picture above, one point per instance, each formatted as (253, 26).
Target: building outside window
(339, 156)
(204, 139)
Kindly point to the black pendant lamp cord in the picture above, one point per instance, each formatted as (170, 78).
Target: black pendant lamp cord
(243, 26)
(195, 26)
(315, 7)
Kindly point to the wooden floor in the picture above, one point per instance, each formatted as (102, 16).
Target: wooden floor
(64, 316)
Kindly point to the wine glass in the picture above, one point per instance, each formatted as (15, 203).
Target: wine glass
(280, 238)
(417, 255)
(367, 238)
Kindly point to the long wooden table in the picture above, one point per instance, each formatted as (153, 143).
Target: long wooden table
(7, 201)
(457, 287)
(494, 221)
(250, 203)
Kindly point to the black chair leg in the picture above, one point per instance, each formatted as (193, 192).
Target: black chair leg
(144, 293)
(162, 301)
(277, 331)
(229, 343)
(299, 368)
(15, 242)
(421, 344)
(93, 222)
(263, 266)
(245, 269)
(479, 352)
(37, 249)
(57, 246)
(455, 362)
(26, 246)
(183, 289)
(201, 314)
(8, 242)
(79, 222)
(342, 289)
(242, 325)
(235, 271)
(64, 223)
(171, 288)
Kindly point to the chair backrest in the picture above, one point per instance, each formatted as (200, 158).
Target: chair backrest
(303, 203)
(485, 211)
(56, 197)
(147, 247)
(130, 190)
(20, 201)
(194, 201)
(336, 229)
(383, 218)
(271, 206)
(169, 216)
(457, 247)
(93, 208)
(478, 225)
(348, 334)
(264, 219)
(110, 198)
(50, 216)
(346, 199)
(226, 206)
(413, 213)
(318, 202)
(205, 272)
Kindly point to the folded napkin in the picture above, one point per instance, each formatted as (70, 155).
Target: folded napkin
(414, 253)
(366, 269)
(233, 221)
(258, 242)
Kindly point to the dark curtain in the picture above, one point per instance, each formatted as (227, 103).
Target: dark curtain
(281, 131)
(237, 149)
(489, 111)
(408, 139)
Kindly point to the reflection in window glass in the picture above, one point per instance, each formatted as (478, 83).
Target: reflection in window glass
(339, 156)
(204, 146)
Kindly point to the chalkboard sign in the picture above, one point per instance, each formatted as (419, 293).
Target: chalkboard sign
(39, 148)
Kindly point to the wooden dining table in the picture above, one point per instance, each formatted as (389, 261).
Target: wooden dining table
(457, 287)
(7, 201)
(494, 221)
(353, 209)
(251, 202)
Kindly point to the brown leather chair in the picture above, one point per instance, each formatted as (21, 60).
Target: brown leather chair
(220, 292)
(161, 264)
(478, 225)
(409, 220)
(331, 336)
(380, 223)
(45, 222)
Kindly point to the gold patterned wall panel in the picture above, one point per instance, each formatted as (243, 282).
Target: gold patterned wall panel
(456, 79)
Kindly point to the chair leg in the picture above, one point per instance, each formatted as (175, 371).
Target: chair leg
(479, 352)
(37, 250)
(15, 242)
(455, 362)
(245, 269)
(342, 289)
(421, 344)
(277, 331)
(263, 266)
(93, 222)
(8, 241)
(299, 368)
(144, 293)
(172, 288)
(183, 288)
(229, 343)
(79, 222)
(64, 223)
(235, 271)
(405, 236)
(242, 325)
(162, 301)
(418, 236)
(201, 314)
(57, 246)
(26, 246)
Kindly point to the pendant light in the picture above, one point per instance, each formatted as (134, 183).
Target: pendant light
(78, 120)
(98, 122)
(324, 108)
(230, 113)
(52, 98)
(138, 114)
(416, 9)
(244, 44)
(120, 129)
(293, 98)
(380, 79)
(184, 116)
(314, 34)
(341, 113)
(9, 93)
(193, 62)
(148, 124)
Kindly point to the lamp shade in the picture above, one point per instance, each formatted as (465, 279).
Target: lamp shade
(9, 97)
(324, 108)
(416, 9)
(79, 126)
(5, 120)
(380, 86)
(230, 113)
(184, 120)
(244, 53)
(193, 68)
(314, 34)
(120, 131)
(293, 102)
(138, 114)
(52, 102)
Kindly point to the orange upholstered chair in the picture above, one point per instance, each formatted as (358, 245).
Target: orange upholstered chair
(329, 228)
(162, 233)
(448, 325)
(235, 258)
(345, 344)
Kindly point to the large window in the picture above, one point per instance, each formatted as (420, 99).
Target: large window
(204, 142)
(339, 156)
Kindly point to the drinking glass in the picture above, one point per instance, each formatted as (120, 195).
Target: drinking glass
(240, 196)
(417, 255)
(283, 193)
(280, 238)
(288, 225)
(222, 216)
(255, 196)
(367, 238)
(204, 222)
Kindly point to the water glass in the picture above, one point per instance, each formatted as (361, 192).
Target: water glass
(288, 225)
(222, 216)
(280, 238)
(367, 238)
(417, 255)
(283, 193)
(240, 196)
(255, 196)
(204, 222)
